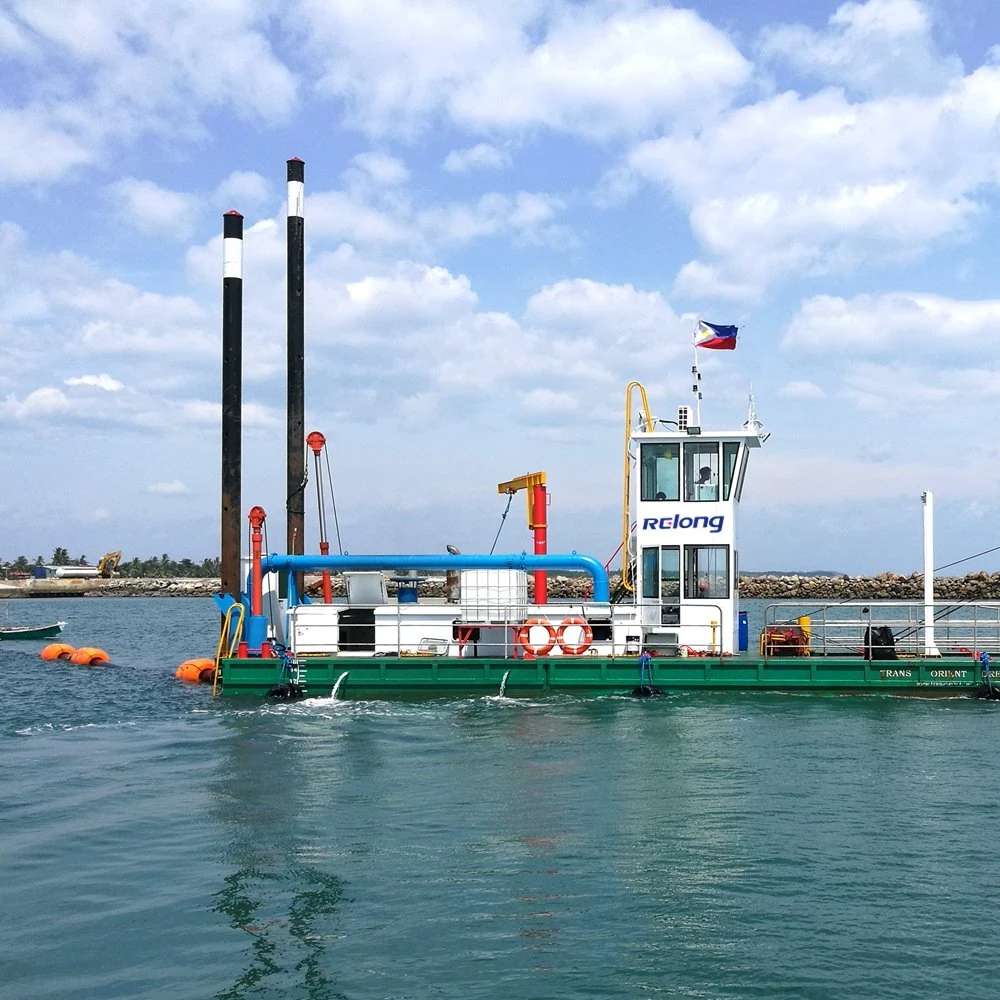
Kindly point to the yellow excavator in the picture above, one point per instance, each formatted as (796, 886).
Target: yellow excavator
(108, 563)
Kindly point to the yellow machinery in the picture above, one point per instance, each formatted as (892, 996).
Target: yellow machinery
(534, 483)
(108, 563)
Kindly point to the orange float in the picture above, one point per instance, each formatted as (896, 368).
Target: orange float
(57, 651)
(89, 656)
(199, 671)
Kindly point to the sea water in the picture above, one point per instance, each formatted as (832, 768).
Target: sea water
(160, 844)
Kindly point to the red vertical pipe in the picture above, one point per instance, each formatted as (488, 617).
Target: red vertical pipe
(257, 517)
(539, 524)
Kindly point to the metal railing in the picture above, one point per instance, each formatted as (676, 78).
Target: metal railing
(877, 629)
(493, 631)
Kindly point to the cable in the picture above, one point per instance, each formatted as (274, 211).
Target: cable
(333, 500)
(503, 517)
(986, 552)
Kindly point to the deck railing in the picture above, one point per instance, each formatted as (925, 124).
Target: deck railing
(492, 630)
(858, 628)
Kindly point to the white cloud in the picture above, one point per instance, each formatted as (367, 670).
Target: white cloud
(883, 324)
(897, 387)
(37, 148)
(242, 187)
(380, 169)
(549, 401)
(601, 75)
(209, 413)
(13, 39)
(102, 381)
(43, 402)
(371, 220)
(173, 487)
(412, 294)
(815, 477)
(100, 75)
(599, 70)
(482, 156)
(801, 389)
(878, 47)
(525, 215)
(154, 209)
(815, 184)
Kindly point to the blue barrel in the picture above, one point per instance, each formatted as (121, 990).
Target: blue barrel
(406, 593)
(743, 632)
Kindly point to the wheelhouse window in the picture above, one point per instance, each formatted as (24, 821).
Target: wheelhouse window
(706, 572)
(661, 573)
(730, 452)
(701, 471)
(670, 572)
(660, 467)
(741, 474)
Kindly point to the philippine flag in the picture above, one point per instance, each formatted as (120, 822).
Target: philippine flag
(718, 338)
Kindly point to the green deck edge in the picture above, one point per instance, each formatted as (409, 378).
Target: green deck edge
(388, 676)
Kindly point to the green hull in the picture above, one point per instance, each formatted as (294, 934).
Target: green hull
(387, 677)
(31, 631)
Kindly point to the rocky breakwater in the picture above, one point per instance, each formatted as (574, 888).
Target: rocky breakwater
(118, 587)
(883, 587)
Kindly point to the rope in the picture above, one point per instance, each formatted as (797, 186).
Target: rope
(320, 502)
(967, 558)
(333, 499)
(645, 663)
(503, 517)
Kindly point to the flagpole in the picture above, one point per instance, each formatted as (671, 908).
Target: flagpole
(696, 376)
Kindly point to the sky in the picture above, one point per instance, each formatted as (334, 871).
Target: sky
(512, 210)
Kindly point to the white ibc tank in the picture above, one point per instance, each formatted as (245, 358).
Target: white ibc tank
(494, 594)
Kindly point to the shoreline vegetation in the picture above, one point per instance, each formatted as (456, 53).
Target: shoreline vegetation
(884, 586)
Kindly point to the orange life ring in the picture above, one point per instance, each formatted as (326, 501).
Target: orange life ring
(588, 636)
(523, 635)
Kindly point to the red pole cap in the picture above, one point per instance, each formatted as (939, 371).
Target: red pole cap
(315, 440)
(257, 516)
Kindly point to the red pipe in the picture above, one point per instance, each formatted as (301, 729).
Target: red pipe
(257, 518)
(539, 525)
(324, 550)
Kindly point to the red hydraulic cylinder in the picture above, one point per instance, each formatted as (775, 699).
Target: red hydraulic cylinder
(539, 525)
(257, 517)
(324, 550)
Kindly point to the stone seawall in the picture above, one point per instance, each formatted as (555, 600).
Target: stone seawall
(884, 587)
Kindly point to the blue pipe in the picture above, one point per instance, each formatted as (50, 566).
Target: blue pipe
(522, 561)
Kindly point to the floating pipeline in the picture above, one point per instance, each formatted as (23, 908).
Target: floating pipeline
(197, 671)
(89, 656)
(57, 651)
(85, 656)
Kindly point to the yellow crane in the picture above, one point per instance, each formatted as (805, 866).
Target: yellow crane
(534, 483)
